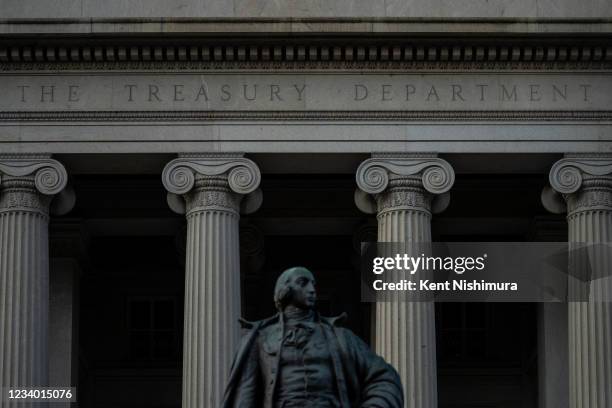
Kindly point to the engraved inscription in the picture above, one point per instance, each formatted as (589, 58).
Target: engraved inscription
(303, 92)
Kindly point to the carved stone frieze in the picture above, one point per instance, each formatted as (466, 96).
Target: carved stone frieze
(20, 194)
(406, 194)
(212, 193)
(590, 199)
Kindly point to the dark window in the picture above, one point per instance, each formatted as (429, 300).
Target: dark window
(152, 325)
(489, 333)
(463, 331)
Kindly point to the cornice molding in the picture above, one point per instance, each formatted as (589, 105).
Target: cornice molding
(270, 25)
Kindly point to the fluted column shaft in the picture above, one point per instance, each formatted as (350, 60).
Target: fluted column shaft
(26, 188)
(212, 193)
(586, 183)
(405, 331)
(212, 291)
(405, 336)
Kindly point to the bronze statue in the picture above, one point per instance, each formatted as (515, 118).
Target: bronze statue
(298, 359)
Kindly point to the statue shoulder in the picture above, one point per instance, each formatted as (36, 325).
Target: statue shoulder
(257, 324)
(335, 321)
(344, 334)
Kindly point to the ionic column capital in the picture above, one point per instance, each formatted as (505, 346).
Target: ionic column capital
(373, 175)
(28, 182)
(49, 175)
(242, 174)
(579, 182)
(410, 179)
(573, 172)
(223, 177)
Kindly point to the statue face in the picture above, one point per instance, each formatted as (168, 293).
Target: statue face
(303, 294)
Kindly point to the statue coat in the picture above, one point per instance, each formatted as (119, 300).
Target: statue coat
(363, 379)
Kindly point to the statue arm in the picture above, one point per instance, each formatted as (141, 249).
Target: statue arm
(243, 388)
(380, 383)
(248, 389)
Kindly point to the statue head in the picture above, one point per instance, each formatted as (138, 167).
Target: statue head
(295, 286)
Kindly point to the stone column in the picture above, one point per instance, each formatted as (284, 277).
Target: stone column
(212, 188)
(585, 183)
(404, 188)
(27, 185)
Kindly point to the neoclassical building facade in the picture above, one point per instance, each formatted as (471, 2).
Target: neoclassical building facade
(157, 174)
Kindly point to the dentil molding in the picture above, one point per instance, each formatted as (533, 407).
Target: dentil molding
(294, 53)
